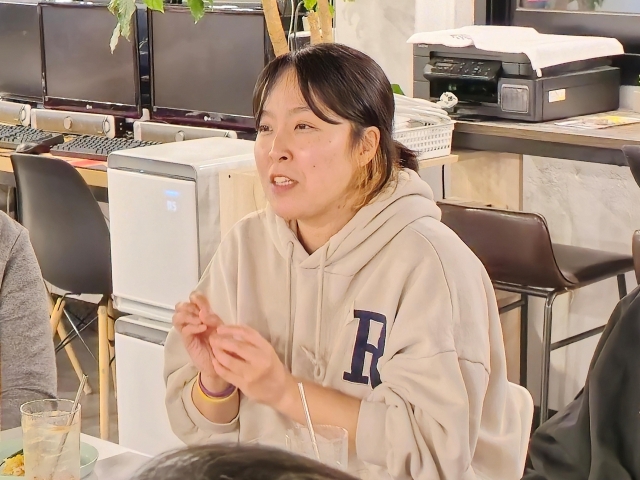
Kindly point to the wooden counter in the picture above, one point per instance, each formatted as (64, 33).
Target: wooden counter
(547, 139)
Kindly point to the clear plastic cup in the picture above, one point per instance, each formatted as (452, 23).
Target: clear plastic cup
(333, 444)
(51, 440)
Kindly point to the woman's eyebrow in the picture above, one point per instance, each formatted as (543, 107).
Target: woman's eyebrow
(302, 108)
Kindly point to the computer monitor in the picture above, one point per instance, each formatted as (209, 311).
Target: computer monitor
(20, 65)
(204, 73)
(80, 72)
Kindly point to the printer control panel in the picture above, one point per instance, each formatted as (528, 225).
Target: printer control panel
(462, 68)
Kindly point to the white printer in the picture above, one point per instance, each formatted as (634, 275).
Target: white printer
(165, 219)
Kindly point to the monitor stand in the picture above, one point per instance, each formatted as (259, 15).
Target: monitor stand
(13, 113)
(167, 133)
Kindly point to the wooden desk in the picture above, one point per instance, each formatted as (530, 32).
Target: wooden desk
(548, 139)
(96, 179)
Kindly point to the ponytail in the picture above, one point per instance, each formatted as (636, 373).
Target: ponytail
(407, 158)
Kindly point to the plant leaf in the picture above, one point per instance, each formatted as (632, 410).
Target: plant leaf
(113, 43)
(310, 4)
(123, 10)
(157, 5)
(197, 8)
(397, 89)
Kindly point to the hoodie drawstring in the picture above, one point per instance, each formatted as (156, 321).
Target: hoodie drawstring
(315, 357)
(289, 339)
(319, 369)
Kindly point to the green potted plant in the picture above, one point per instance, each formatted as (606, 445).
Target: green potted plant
(321, 13)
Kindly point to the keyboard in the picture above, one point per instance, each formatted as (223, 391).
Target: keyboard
(96, 148)
(13, 135)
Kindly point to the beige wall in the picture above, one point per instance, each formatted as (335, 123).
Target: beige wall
(380, 28)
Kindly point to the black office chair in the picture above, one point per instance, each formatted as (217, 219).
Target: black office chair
(71, 241)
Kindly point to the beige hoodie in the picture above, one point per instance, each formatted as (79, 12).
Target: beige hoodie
(394, 310)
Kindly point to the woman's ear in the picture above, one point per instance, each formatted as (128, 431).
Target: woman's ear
(368, 146)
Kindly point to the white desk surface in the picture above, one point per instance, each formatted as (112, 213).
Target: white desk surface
(115, 469)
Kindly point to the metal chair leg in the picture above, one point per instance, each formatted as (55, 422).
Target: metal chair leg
(73, 358)
(622, 286)
(72, 336)
(546, 356)
(77, 334)
(55, 310)
(524, 339)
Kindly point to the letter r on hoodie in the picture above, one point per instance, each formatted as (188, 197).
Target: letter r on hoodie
(362, 347)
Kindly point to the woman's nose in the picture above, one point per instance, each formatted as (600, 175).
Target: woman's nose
(280, 151)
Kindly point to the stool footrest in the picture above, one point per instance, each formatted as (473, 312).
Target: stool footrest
(511, 306)
(577, 338)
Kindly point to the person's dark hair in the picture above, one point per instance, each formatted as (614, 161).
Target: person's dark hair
(232, 462)
(338, 79)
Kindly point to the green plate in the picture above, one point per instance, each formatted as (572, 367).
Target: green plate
(88, 456)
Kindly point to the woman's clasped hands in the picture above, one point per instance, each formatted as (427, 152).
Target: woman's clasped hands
(231, 354)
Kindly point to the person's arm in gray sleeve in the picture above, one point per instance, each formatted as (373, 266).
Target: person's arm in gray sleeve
(27, 354)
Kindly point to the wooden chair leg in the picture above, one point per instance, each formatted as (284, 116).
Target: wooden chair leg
(112, 342)
(103, 362)
(50, 302)
(62, 333)
(56, 315)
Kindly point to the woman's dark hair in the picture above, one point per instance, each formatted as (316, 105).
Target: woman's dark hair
(227, 462)
(346, 82)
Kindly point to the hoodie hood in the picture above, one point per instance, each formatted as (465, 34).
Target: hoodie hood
(373, 226)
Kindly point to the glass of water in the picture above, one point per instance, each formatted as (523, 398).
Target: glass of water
(333, 444)
(51, 440)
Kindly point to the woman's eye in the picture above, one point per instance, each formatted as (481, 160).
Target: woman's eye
(303, 126)
(263, 128)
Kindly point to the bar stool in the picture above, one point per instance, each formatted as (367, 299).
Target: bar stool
(632, 155)
(516, 250)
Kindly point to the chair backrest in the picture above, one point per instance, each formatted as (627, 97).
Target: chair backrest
(635, 250)
(632, 154)
(515, 247)
(68, 231)
(524, 402)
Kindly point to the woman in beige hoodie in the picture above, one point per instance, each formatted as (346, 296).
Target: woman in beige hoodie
(350, 283)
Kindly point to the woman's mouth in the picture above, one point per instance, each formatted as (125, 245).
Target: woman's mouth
(281, 181)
